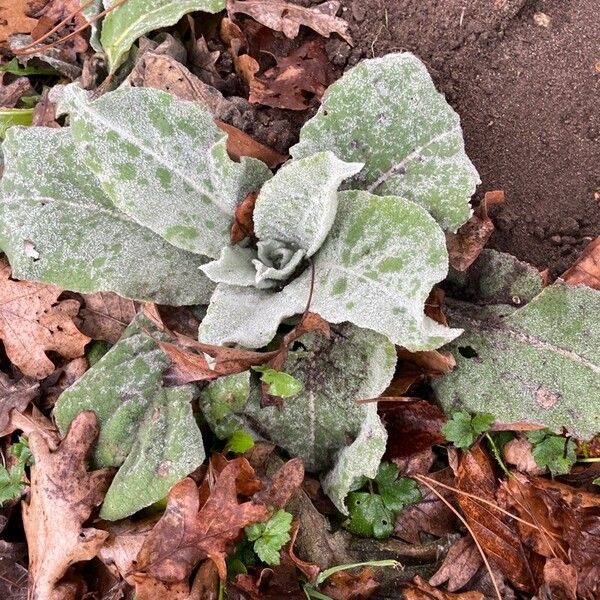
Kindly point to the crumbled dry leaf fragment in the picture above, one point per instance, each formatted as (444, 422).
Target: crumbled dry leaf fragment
(295, 80)
(283, 484)
(189, 532)
(421, 590)
(460, 565)
(33, 322)
(105, 315)
(518, 452)
(466, 244)
(287, 18)
(345, 585)
(15, 394)
(586, 271)
(14, 18)
(32, 421)
(63, 495)
(241, 144)
(560, 581)
(11, 93)
(243, 221)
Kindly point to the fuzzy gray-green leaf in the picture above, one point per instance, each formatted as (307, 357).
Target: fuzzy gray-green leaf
(58, 226)
(126, 23)
(386, 113)
(145, 429)
(539, 364)
(163, 162)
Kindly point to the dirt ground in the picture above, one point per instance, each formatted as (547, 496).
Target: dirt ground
(524, 75)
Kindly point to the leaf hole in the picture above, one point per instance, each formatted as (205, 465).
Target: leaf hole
(468, 352)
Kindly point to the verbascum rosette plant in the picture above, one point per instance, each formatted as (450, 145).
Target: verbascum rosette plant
(137, 195)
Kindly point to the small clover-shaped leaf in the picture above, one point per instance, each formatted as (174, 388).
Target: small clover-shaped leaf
(369, 516)
(463, 429)
(270, 537)
(396, 492)
(554, 452)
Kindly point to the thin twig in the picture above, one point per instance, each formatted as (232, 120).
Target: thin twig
(29, 49)
(471, 532)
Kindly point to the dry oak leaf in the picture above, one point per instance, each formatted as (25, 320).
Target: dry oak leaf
(63, 495)
(32, 322)
(189, 532)
(586, 271)
(282, 485)
(287, 18)
(499, 539)
(15, 394)
(30, 421)
(421, 590)
(460, 565)
(351, 586)
(560, 581)
(295, 79)
(105, 315)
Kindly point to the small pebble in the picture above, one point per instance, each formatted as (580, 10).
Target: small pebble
(556, 240)
(542, 19)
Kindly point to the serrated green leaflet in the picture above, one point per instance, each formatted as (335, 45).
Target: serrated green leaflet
(554, 452)
(145, 429)
(387, 114)
(129, 21)
(279, 383)
(57, 226)
(319, 422)
(269, 537)
(540, 364)
(163, 162)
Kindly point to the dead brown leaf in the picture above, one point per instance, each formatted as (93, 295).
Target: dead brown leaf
(32, 322)
(586, 271)
(499, 539)
(295, 80)
(105, 315)
(466, 244)
(351, 586)
(63, 495)
(282, 485)
(421, 590)
(560, 581)
(44, 112)
(149, 588)
(241, 144)
(54, 385)
(189, 532)
(310, 570)
(519, 452)
(460, 565)
(569, 520)
(14, 18)
(32, 421)
(11, 93)
(413, 426)
(15, 394)
(243, 222)
(430, 515)
(287, 18)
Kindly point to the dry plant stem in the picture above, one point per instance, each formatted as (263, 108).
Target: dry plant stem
(29, 49)
(464, 522)
(491, 504)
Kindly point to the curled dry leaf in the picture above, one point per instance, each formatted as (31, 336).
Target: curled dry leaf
(295, 80)
(345, 585)
(421, 590)
(105, 315)
(241, 144)
(460, 565)
(310, 570)
(63, 495)
(496, 535)
(14, 19)
(243, 223)
(518, 452)
(12, 92)
(15, 394)
(466, 244)
(559, 581)
(189, 532)
(287, 18)
(586, 271)
(32, 421)
(33, 322)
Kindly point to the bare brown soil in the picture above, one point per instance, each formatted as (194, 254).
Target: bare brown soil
(527, 88)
